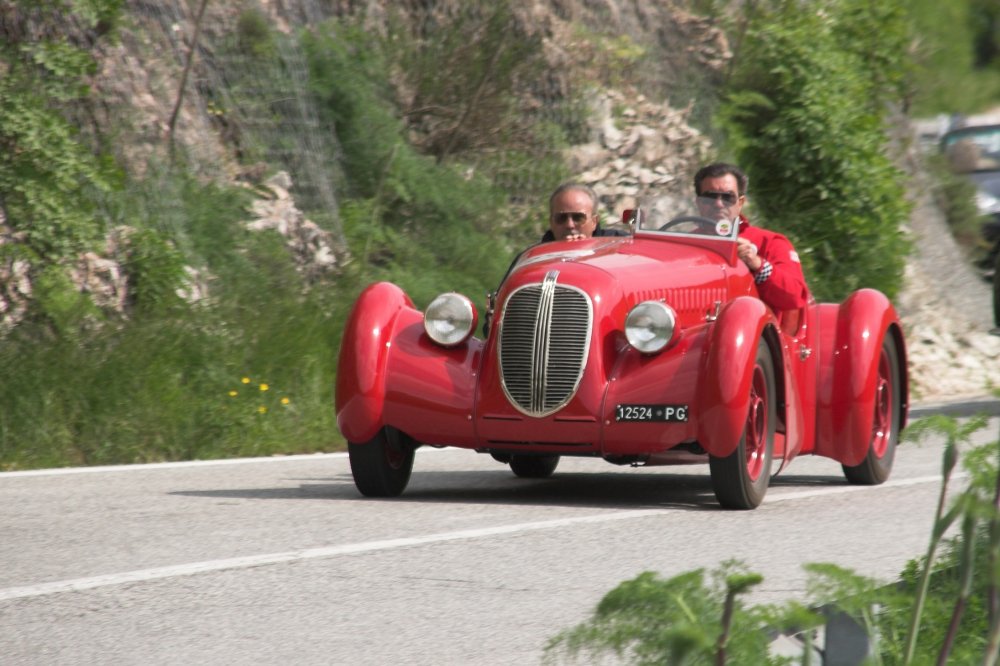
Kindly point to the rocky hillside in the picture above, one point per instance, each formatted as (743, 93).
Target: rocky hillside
(634, 146)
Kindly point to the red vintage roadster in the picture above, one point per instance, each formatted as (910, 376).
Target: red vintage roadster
(647, 349)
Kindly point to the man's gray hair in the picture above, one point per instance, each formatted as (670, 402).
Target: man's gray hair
(576, 187)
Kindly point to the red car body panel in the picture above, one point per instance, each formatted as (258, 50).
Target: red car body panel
(825, 357)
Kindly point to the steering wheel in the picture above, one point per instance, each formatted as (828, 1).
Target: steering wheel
(705, 225)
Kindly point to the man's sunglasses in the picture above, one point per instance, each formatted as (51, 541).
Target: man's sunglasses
(727, 198)
(563, 218)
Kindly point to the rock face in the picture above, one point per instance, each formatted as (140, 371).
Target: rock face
(649, 151)
(310, 246)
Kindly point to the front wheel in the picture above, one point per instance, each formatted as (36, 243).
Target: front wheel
(875, 468)
(381, 466)
(533, 467)
(740, 479)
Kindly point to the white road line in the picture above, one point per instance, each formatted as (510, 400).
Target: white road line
(60, 471)
(79, 584)
(142, 575)
(140, 467)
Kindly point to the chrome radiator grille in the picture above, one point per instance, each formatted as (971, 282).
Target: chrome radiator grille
(544, 338)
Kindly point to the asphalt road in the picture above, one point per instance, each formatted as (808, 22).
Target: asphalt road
(281, 561)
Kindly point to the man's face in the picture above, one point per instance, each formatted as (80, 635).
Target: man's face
(571, 216)
(719, 198)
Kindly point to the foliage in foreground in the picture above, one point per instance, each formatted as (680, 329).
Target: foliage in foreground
(945, 609)
(687, 619)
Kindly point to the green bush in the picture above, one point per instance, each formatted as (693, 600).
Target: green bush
(805, 117)
(50, 180)
(404, 211)
(651, 620)
(955, 48)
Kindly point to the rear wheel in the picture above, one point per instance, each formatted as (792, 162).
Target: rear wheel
(381, 466)
(740, 479)
(533, 467)
(877, 465)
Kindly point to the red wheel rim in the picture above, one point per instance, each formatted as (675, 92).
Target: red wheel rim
(882, 424)
(755, 437)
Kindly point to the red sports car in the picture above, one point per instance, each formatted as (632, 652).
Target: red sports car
(647, 349)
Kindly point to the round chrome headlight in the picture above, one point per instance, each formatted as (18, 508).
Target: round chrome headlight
(650, 326)
(450, 319)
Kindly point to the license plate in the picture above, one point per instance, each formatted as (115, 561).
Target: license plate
(667, 413)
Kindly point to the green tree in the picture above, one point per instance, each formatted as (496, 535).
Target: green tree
(50, 180)
(805, 115)
(955, 46)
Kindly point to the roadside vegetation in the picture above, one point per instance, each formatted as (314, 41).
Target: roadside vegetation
(442, 165)
(85, 386)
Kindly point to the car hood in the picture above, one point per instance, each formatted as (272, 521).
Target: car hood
(619, 272)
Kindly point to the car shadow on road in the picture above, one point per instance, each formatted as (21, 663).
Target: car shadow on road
(609, 490)
(808, 481)
(617, 490)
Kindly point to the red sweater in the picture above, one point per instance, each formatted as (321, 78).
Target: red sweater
(786, 288)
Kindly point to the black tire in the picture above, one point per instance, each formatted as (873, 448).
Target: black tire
(381, 467)
(533, 467)
(740, 480)
(877, 465)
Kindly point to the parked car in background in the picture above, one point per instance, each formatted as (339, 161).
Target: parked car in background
(974, 152)
(647, 349)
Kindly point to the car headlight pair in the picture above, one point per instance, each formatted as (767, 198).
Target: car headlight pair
(450, 319)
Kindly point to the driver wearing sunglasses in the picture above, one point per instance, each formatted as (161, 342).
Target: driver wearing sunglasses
(573, 214)
(720, 191)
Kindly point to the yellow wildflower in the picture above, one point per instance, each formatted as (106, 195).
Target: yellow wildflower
(285, 401)
(262, 409)
(245, 380)
(233, 394)
(264, 387)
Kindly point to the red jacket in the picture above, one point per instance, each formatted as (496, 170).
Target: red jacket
(785, 288)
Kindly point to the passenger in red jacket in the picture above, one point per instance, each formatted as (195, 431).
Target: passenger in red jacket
(721, 192)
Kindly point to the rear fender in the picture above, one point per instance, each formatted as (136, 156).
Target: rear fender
(724, 389)
(846, 404)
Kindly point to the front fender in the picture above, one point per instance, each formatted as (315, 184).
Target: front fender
(364, 350)
(846, 405)
(724, 389)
